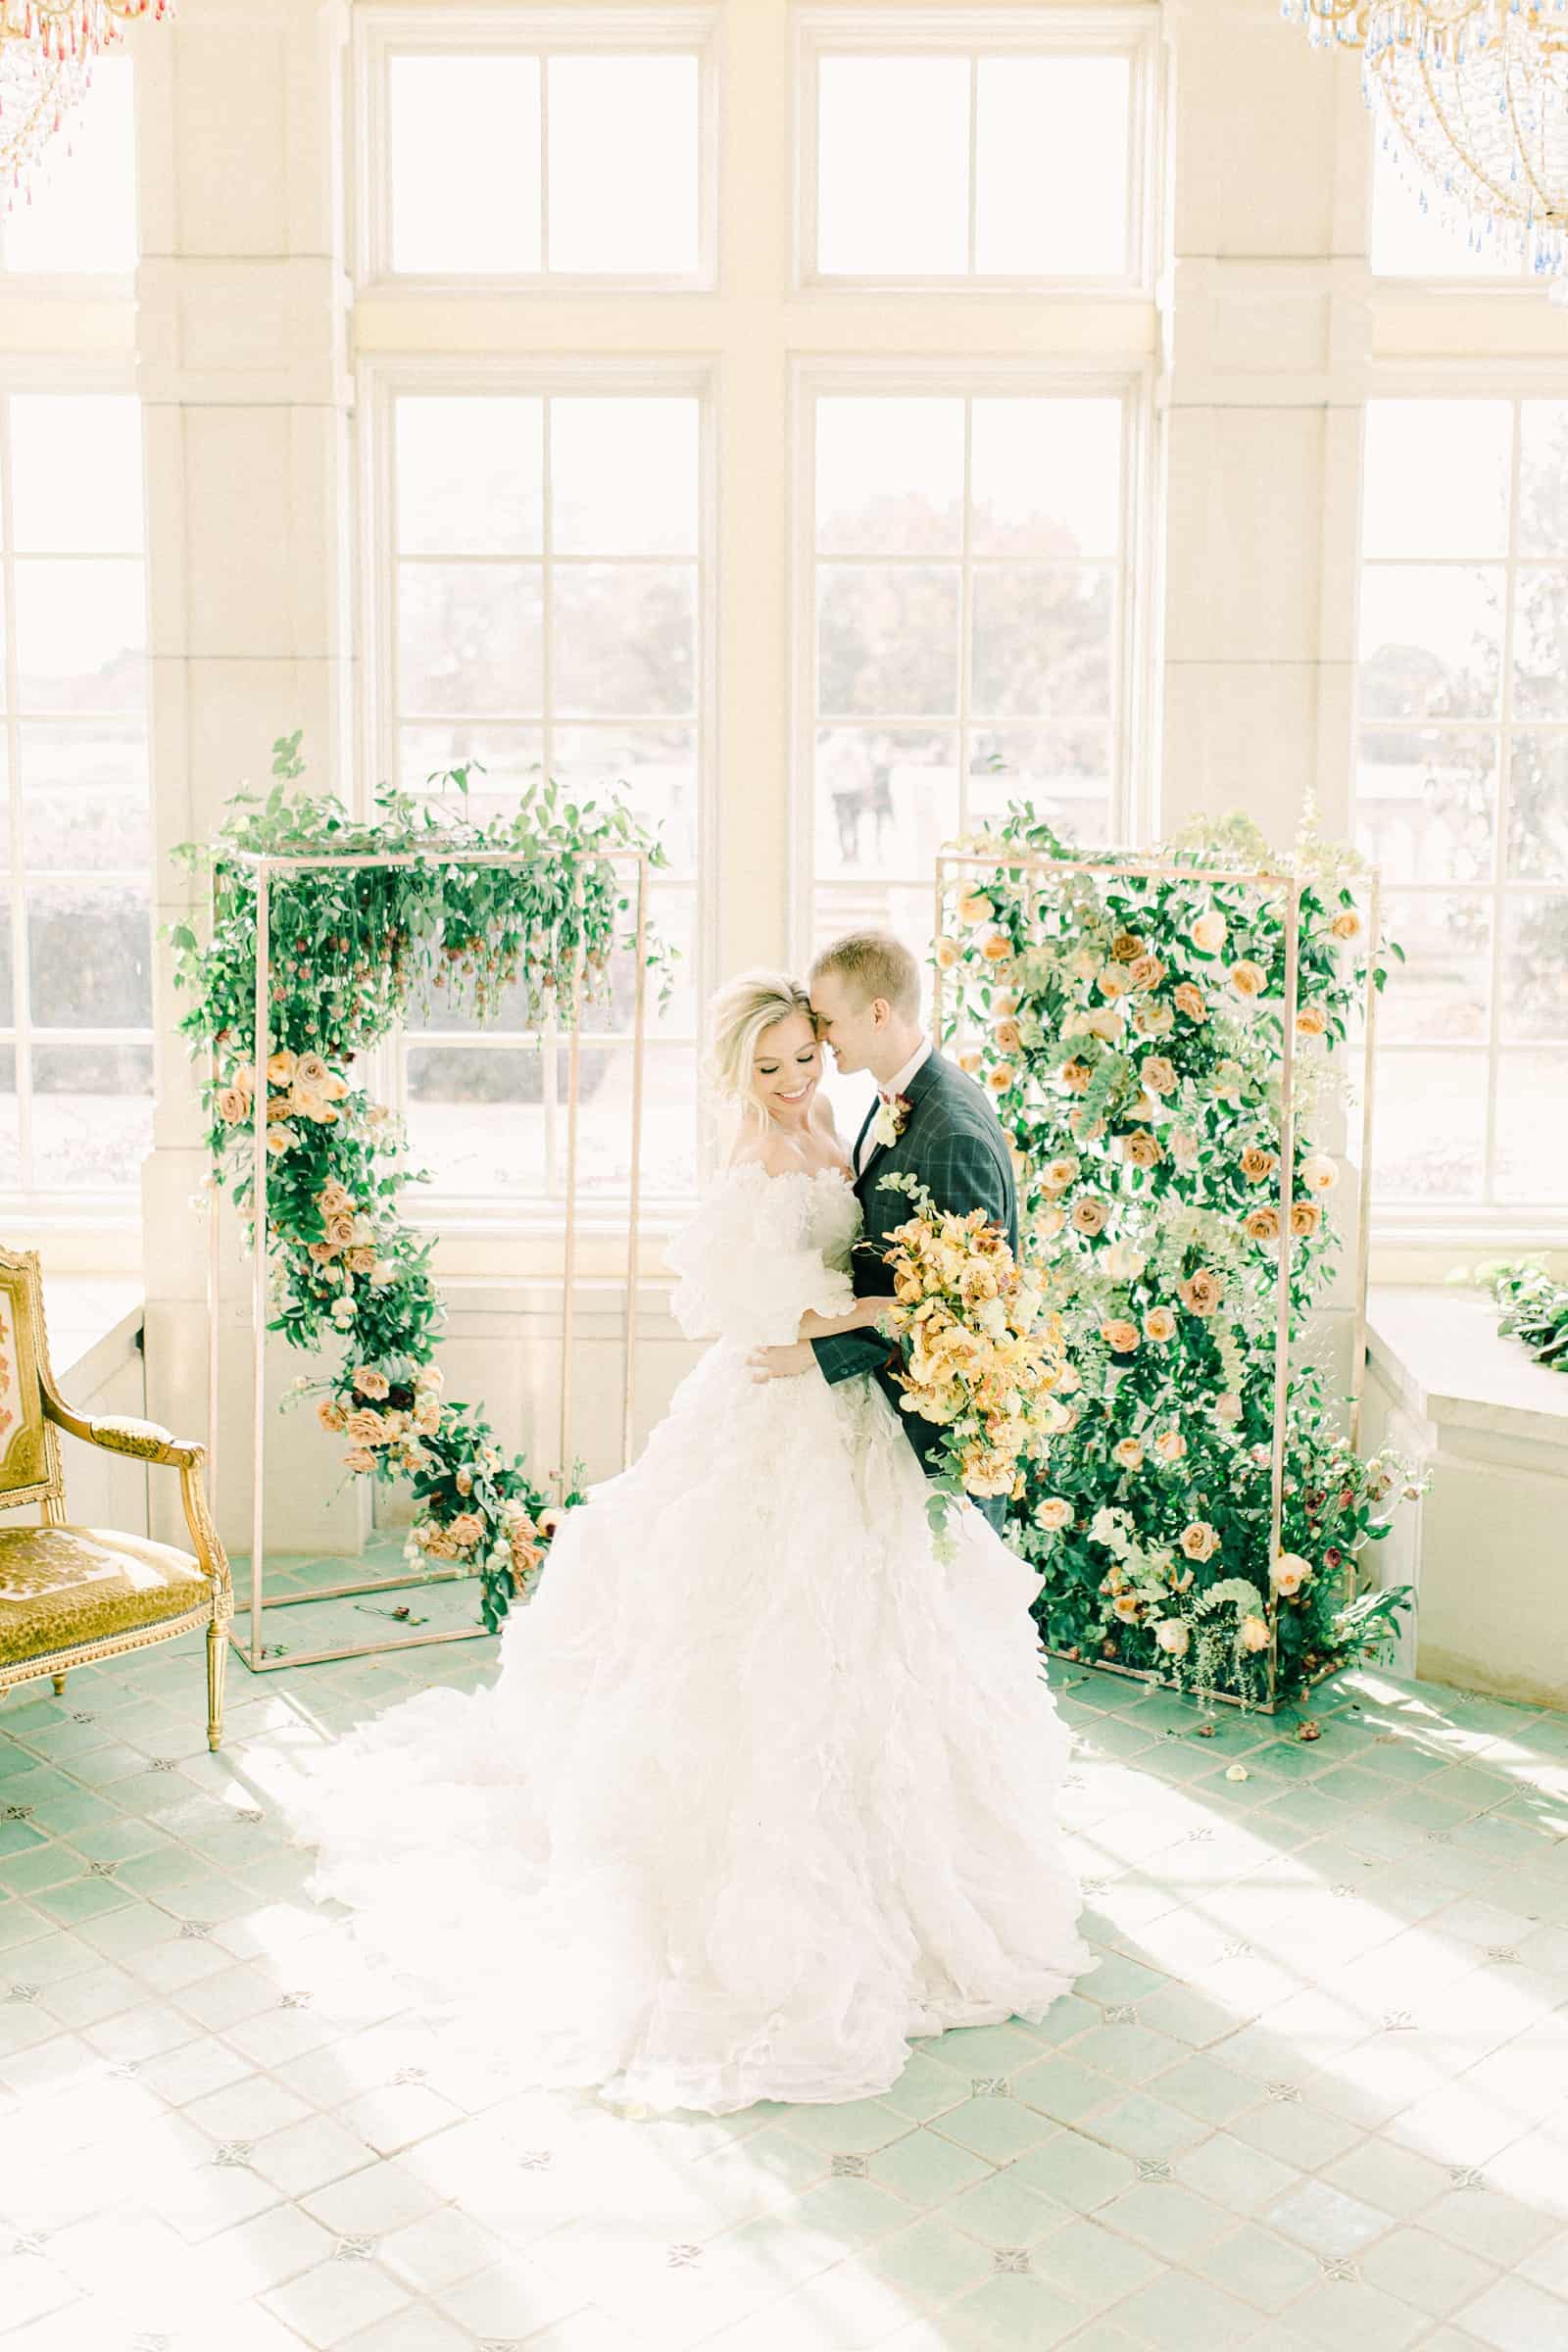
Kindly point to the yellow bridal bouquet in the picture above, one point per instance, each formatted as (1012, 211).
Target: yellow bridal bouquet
(981, 1357)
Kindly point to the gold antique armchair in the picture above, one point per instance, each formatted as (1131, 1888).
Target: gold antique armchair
(71, 1596)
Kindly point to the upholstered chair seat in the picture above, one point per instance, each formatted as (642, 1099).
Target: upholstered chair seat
(63, 1586)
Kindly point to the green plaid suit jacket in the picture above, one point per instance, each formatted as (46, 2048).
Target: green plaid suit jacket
(953, 1142)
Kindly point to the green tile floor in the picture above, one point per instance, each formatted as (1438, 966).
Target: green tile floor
(1313, 2095)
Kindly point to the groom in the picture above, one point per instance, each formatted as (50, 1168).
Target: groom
(929, 1120)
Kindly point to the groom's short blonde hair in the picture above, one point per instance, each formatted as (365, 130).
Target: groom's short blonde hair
(877, 964)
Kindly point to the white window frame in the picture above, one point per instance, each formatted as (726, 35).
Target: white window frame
(812, 380)
(1131, 32)
(1487, 1222)
(382, 33)
(382, 381)
(102, 1209)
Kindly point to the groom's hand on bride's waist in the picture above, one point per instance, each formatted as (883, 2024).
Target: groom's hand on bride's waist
(782, 1363)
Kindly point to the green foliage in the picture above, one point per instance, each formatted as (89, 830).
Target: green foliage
(352, 949)
(1535, 1308)
(1131, 1030)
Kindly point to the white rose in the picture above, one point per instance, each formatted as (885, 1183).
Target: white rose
(342, 1311)
(1319, 1173)
(1172, 1636)
(1124, 1263)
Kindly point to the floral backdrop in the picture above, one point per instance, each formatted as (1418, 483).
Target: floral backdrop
(352, 951)
(1131, 1030)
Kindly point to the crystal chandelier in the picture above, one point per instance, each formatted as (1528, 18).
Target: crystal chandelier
(1472, 96)
(47, 49)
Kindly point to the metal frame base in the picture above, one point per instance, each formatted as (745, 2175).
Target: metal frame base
(258, 1662)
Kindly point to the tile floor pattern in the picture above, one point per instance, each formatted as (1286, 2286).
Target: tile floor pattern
(1314, 2093)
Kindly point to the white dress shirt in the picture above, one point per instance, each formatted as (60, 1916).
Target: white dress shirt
(899, 1084)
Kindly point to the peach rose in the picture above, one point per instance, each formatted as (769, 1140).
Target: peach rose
(1262, 1224)
(1319, 1173)
(279, 1140)
(1128, 1453)
(1227, 1408)
(1311, 1021)
(1146, 971)
(1289, 1573)
(1126, 1606)
(997, 948)
(1200, 1294)
(365, 1429)
(1305, 1219)
(233, 1104)
(368, 1382)
(466, 1529)
(280, 1068)
(333, 1200)
(1009, 1037)
(1053, 1514)
(975, 908)
(948, 954)
(1083, 1128)
(1153, 1018)
(1171, 1446)
(1126, 946)
(1347, 924)
(361, 1262)
(1057, 1174)
(1113, 982)
(1159, 1325)
(1209, 932)
(340, 1229)
(310, 1074)
(1253, 1633)
(330, 1414)
(1140, 1149)
(999, 1077)
(1119, 1336)
(1089, 1214)
(1248, 979)
(1173, 1636)
(1158, 1075)
(1189, 1000)
(1075, 1076)
(1256, 1164)
(1049, 1221)
(970, 1061)
(1184, 1150)
(1199, 1541)
(358, 1458)
(322, 1251)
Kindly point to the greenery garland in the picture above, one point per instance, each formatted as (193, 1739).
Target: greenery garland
(1535, 1308)
(1130, 1030)
(353, 950)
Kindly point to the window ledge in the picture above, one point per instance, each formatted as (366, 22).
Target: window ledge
(1439, 1351)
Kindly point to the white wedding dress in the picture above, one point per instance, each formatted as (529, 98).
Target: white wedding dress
(763, 1787)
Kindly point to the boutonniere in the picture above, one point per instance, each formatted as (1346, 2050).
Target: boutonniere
(892, 1118)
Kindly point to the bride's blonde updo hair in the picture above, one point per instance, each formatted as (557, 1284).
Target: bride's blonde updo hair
(739, 1015)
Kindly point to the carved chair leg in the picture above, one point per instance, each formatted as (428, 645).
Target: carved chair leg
(216, 1661)
(58, 1682)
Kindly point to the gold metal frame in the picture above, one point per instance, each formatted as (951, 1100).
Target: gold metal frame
(253, 1649)
(989, 856)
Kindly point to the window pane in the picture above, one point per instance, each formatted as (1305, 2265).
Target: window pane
(1427, 1138)
(10, 1126)
(1065, 771)
(469, 476)
(1444, 987)
(1408, 240)
(1534, 965)
(888, 639)
(624, 164)
(464, 164)
(75, 473)
(623, 476)
(474, 1117)
(889, 475)
(624, 640)
(8, 1001)
(1042, 641)
(1046, 477)
(1544, 477)
(1436, 479)
(84, 799)
(1533, 1126)
(1538, 808)
(81, 634)
(511, 757)
(1426, 803)
(886, 799)
(1539, 643)
(92, 1116)
(1051, 166)
(1430, 637)
(471, 637)
(89, 955)
(657, 768)
(82, 213)
(893, 176)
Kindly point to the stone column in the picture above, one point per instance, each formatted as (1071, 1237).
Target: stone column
(243, 302)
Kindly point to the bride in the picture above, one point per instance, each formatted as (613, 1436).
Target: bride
(764, 1787)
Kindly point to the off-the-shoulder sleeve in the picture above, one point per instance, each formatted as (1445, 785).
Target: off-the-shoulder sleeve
(751, 1263)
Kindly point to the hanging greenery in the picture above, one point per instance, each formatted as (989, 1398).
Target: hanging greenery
(1130, 1029)
(353, 950)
